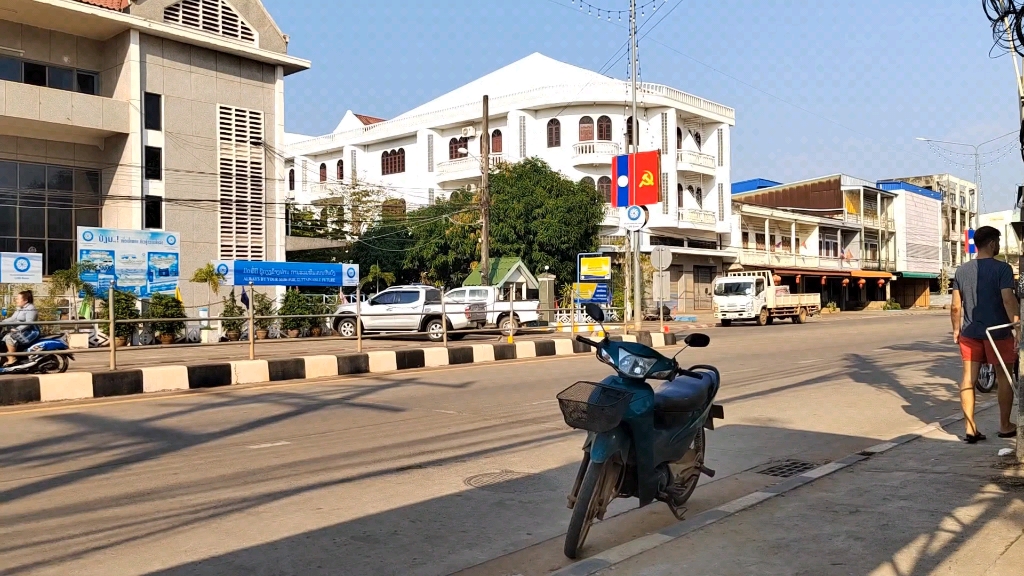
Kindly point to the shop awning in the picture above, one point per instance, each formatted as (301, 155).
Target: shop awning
(922, 275)
(870, 274)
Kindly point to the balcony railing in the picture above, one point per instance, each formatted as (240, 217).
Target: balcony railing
(697, 216)
(459, 168)
(594, 153)
(688, 160)
(611, 215)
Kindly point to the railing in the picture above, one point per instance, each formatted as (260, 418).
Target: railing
(839, 263)
(697, 216)
(611, 215)
(459, 165)
(595, 151)
(695, 159)
(764, 258)
(496, 158)
(617, 241)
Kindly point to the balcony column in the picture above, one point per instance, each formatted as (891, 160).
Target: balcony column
(792, 240)
(767, 236)
(862, 216)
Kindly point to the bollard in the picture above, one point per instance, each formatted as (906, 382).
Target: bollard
(444, 322)
(252, 324)
(113, 326)
(359, 320)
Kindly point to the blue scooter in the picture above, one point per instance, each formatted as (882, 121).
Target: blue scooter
(643, 442)
(41, 363)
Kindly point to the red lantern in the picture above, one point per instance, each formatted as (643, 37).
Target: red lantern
(881, 282)
(846, 281)
(777, 279)
(861, 282)
(798, 278)
(823, 280)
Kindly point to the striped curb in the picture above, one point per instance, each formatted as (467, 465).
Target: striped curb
(83, 385)
(635, 547)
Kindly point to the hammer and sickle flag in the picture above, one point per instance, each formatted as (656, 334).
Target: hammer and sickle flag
(636, 179)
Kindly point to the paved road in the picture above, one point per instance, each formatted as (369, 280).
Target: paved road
(431, 472)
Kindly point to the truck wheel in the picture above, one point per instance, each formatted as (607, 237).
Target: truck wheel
(346, 327)
(507, 323)
(726, 322)
(435, 330)
(801, 316)
(763, 317)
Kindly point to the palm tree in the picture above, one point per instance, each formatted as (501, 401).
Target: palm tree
(208, 275)
(69, 282)
(376, 275)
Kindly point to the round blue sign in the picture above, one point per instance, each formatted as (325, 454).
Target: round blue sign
(87, 236)
(171, 240)
(22, 264)
(222, 269)
(634, 213)
(351, 272)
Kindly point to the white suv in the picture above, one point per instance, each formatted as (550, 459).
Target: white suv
(414, 308)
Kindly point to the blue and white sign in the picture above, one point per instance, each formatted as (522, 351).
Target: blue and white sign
(21, 268)
(144, 262)
(259, 273)
(634, 218)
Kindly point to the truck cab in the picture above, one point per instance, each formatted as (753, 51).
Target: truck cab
(755, 296)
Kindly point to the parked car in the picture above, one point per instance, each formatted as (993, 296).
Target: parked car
(413, 308)
(500, 313)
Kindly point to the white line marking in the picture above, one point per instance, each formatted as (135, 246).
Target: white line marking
(269, 444)
(445, 411)
(809, 361)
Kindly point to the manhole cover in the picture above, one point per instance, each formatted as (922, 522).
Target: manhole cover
(510, 482)
(788, 468)
(1009, 482)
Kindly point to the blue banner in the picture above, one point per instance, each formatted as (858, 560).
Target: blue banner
(243, 272)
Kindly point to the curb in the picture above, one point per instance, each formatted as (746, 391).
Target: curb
(628, 550)
(84, 385)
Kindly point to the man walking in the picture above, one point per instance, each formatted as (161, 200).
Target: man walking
(983, 297)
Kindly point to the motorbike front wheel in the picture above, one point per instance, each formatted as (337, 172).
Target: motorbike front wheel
(599, 487)
(51, 365)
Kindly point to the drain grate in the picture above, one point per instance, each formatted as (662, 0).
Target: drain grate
(511, 482)
(788, 468)
(1009, 483)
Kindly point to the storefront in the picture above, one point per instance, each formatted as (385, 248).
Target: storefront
(913, 289)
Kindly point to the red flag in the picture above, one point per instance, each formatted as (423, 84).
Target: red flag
(645, 178)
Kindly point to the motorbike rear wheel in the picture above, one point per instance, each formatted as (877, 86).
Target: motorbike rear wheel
(51, 365)
(600, 486)
(686, 471)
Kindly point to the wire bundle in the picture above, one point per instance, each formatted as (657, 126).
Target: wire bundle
(1007, 20)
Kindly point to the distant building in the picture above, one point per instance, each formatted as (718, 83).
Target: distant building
(752, 184)
(1010, 250)
(918, 215)
(959, 213)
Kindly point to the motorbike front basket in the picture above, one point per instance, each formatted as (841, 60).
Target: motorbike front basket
(592, 406)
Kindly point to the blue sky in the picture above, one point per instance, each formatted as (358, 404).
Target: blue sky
(818, 87)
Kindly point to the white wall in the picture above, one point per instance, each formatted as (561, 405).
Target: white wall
(919, 230)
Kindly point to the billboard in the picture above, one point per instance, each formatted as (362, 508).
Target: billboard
(21, 268)
(259, 273)
(594, 267)
(143, 262)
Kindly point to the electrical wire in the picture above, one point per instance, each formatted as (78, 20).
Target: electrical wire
(1006, 18)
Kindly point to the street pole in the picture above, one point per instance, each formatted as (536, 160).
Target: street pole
(635, 130)
(112, 327)
(485, 196)
(252, 323)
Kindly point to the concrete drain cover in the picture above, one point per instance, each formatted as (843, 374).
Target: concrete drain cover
(788, 468)
(510, 482)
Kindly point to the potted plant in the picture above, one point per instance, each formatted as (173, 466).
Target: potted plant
(294, 304)
(232, 309)
(169, 313)
(318, 315)
(126, 307)
(262, 305)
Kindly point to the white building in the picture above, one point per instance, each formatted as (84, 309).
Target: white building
(1003, 221)
(574, 119)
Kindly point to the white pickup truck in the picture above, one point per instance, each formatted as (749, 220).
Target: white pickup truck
(501, 313)
(413, 308)
(754, 296)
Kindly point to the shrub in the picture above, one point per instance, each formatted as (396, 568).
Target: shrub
(232, 309)
(125, 308)
(832, 307)
(262, 305)
(167, 309)
(891, 304)
(295, 304)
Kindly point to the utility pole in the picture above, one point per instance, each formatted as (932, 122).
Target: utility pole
(634, 128)
(485, 196)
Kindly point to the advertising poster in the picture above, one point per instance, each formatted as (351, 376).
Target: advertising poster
(594, 267)
(259, 273)
(21, 268)
(592, 293)
(143, 262)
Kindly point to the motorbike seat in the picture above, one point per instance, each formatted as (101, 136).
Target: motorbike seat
(684, 394)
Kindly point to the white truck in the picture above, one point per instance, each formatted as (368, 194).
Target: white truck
(755, 296)
(501, 313)
(413, 308)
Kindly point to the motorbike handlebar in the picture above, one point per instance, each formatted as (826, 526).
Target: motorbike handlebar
(586, 341)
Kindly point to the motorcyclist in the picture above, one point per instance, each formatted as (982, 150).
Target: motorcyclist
(20, 328)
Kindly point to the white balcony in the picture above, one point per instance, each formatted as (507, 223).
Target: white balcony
(780, 259)
(699, 219)
(467, 168)
(611, 215)
(596, 153)
(697, 162)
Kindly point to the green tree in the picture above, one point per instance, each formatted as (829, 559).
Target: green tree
(209, 276)
(384, 245)
(445, 240)
(376, 276)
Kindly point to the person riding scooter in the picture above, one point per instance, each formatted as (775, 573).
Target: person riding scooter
(20, 330)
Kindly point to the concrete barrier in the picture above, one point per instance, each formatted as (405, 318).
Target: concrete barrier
(321, 366)
(161, 378)
(249, 371)
(69, 386)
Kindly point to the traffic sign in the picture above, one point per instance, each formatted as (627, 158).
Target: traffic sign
(661, 258)
(662, 286)
(634, 218)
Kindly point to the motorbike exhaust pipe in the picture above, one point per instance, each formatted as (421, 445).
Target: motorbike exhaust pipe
(707, 471)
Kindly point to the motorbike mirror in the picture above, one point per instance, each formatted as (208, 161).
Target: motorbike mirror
(697, 340)
(595, 312)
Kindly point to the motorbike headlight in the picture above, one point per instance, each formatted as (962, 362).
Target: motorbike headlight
(605, 357)
(636, 366)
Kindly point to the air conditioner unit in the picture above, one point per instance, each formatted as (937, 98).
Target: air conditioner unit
(468, 132)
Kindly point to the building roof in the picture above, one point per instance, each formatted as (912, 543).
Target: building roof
(367, 120)
(500, 271)
(894, 185)
(109, 4)
(753, 184)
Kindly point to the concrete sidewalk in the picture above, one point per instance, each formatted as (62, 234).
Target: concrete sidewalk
(932, 506)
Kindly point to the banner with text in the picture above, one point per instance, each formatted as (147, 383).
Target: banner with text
(258, 273)
(143, 262)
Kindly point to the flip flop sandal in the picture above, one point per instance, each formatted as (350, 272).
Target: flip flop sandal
(1010, 434)
(974, 438)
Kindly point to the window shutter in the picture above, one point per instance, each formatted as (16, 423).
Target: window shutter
(241, 183)
(663, 193)
(430, 153)
(213, 16)
(721, 202)
(305, 175)
(430, 196)
(721, 147)
(664, 133)
(522, 136)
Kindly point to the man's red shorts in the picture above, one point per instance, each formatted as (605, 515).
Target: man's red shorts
(974, 350)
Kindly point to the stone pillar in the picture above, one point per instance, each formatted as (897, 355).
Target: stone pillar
(547, 296)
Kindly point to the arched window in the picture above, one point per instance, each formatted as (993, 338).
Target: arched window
(291, 180)
(680, 196)
(341, 170)
(588, 181)
(629, 131)
(554, 133)
(401, 163)
(586, 129)
(604, 186)
(392, 162)
(323, 172)
(496, 141)
(453, 148)
(604, 128)
(385, 162)
(679, 138)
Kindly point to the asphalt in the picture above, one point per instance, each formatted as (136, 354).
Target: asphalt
(431, 472)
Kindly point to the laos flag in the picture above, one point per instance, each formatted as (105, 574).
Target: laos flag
(636, 179)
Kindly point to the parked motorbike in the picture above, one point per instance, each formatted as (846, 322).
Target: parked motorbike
(40, 363)
(642, 442)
